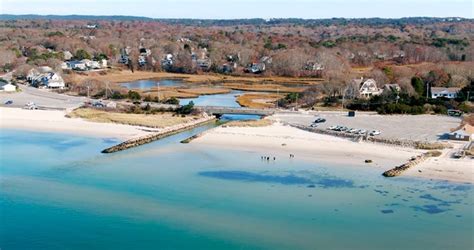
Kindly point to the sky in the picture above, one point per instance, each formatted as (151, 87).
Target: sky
(231, 9)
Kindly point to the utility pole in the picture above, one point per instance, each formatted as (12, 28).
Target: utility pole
(158, 90)
(427, 89)
(278, 94)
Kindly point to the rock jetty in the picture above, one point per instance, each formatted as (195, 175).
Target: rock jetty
(135, 142)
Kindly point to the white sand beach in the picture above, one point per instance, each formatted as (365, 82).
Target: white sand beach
(56, 121)
(280, 140)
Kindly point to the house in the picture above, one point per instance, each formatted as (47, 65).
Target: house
(7, 87)
(167, 62)
(76, 65)
(67, 55)
(90, 64)
(367, 88)
(391, 88)
(464, 132)
(204, 64)
(449, 93)
(45, 77)
(313, 66)
(258, 67)
(103, 63)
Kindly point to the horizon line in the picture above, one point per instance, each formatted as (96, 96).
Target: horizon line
(242, 18)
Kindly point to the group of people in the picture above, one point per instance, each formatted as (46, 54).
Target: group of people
(268, 158)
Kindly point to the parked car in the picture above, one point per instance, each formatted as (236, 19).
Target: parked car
(362, 132)
(343, 128)
(354, 131)
(375, 132)
(313, 125)
(98, 105)
(9, 102)
(333, 127)
(319, 120)
(31, 106)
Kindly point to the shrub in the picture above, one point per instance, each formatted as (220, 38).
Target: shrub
(172, 101)
(133, 95)
(186, 109)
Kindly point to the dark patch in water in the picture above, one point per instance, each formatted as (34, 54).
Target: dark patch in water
(110, 140)
(441, 202)
(387, 211)
(288, 179)
(459, 216)
(454, 187)
(384, 193)
(254, 177)
(430, 209)
(430, 197)
(68, 144)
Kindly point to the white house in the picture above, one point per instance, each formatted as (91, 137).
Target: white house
(367, 88)
(67, 55)
(449, 93)
(7, 87)
(45, 77)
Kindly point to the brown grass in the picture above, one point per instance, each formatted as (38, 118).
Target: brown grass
(264, 87)
(249, 123)
(117, 76)
(160, 120)
(258, 100)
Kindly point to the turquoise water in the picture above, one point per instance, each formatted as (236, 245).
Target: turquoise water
(150, 83)
(58, 192)
(222, 100)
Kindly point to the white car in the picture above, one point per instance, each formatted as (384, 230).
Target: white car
(354, 131)
(31, 106)
(362, 132)
(375, 132)
(333, 127)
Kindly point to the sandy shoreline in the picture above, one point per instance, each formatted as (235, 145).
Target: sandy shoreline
(55, 121)
(282, 140)
(275, 140)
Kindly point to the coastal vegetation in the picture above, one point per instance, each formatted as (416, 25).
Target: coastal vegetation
(152, 120)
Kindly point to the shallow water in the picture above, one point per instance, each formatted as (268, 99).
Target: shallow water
(222, 100)
(58, 192)
(150, 83)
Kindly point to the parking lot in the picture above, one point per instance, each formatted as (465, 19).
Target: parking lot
(412, 127)
(41, 97)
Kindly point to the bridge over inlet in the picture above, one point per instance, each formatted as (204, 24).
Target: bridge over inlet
(219, 111)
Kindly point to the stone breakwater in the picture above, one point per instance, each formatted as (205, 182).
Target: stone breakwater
(397, 142)
(135, 142)
(411, 163)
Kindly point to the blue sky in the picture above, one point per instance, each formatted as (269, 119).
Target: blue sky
(228, 9)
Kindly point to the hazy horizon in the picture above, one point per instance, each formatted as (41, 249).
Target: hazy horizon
(244, 9)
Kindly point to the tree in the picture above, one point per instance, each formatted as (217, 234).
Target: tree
(82, 54)
(418, 85)
(186, 109)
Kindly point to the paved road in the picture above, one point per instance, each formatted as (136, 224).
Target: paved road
(42, 98)
(412, 127)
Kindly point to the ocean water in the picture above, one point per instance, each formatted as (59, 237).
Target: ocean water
(58, 192)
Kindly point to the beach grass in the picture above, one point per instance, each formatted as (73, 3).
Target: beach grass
(158, 120)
